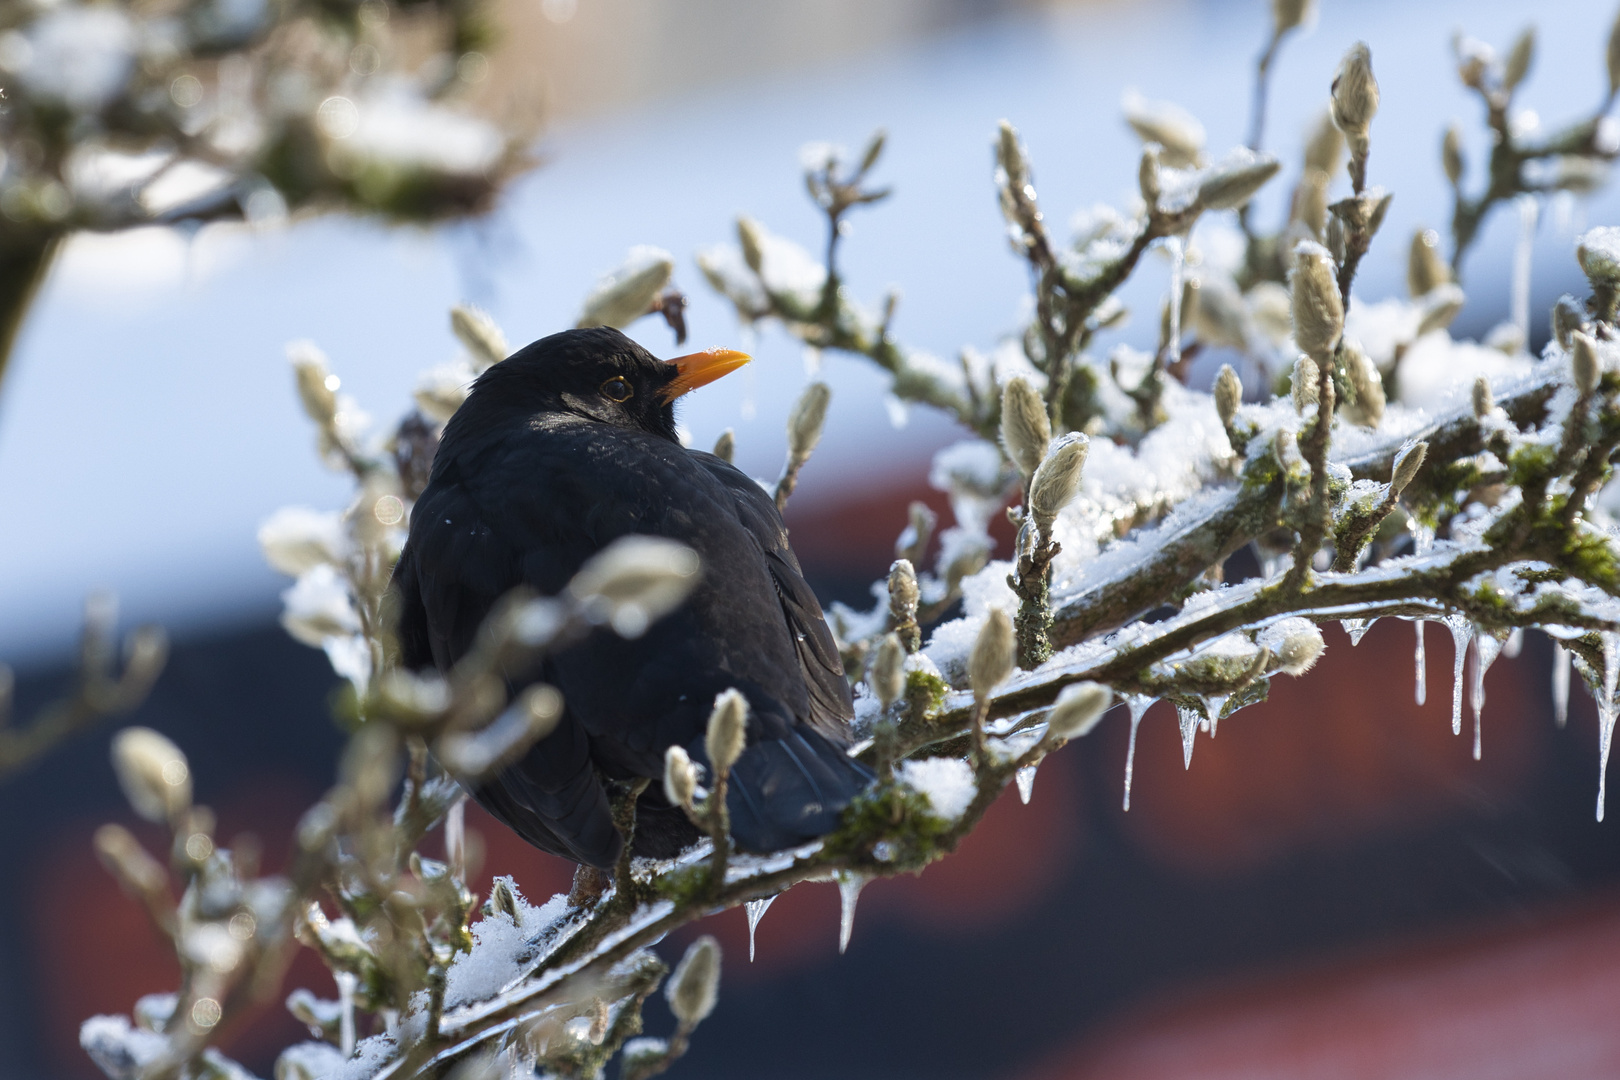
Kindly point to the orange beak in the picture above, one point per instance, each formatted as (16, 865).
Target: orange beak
(701, 368)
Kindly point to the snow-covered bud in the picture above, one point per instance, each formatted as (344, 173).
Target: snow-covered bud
(1439, 307)
(1612, 57)
(1584, 362)
(1324, 146)
(680, 777)
(1567, 318)
(479, 335)
(806, 420)
(1317, 306)
(153, 773)
(1369, 387)
(1147, 175)
(725, 447)
(1304, 388)
(1025, 430)
(695, 986)
(1425, 269)
(1287, 14)
(1057, 479)
(888, 675)
(634, 582)
(1483, 400)
(1228, 394)
(1598, 251)
(1175, 129)
(474, 754)
(1408, 460)
(295, 539)
(1298, 651)
(1235, 181)
(629, 292)
(751, 238)
(317, 386)
(1518, 60)
(904, 594)
(1294, 466)
(727, 731)
(1078, 709)
(1451, 155)
(503, 898)
(1355, 91)
(994, 652)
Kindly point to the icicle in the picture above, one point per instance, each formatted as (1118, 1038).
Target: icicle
(1213, 704)
(1189, 719)
(1519, 304)
(1139, 705)
(1025, 778)
(1177, 260)
(1514, 642)
(1422, 536)
(849, 891)
(1486, 650)
(1461, 632)
(455, 838)
(756, 912)
(346, 983)
(1611, 669)
(1560, 684)
(1357, 629)
(1422, 659)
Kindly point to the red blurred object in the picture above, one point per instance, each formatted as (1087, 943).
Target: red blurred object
(1333, 756)
(1499, 1004)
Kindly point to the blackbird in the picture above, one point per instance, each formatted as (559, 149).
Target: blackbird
(560, 449)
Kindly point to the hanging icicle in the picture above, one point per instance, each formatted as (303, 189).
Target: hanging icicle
(1462, 632)
(1025, 779)
(1422, 662)
(849, 891)
(1560, 683)
(756, 912)
(1138, 705)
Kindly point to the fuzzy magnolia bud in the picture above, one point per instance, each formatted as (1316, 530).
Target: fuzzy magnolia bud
(126, 860)
(1324, 146)
(1057, 479)
(904, 594)
(1228, 394)
(1518, 60)
(1567, 318)
(1176, 130)
(695, 986)
(629, 292)
(1147, 175)
(1298, 651)
(1025, 430)
(1078, 709)
(1583, 359)
(1425, 269)
(1451, 155)
(1288, 14)
(1408, 460)
(503, 898)
(1369, 387)
(1598, 251)
(727, 731)
(991, 660)
(479, 335)
(751, 238)
(725, 447)
(680, 777)
(1484, 402)
(1355, 91)
(806, 420)
(635, 581)
(317, 386)
(888, 675)
(153, 773)
(1234, 182)
(1317, 307)
(1305, 390)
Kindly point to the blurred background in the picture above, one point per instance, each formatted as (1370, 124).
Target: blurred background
(1334, 889)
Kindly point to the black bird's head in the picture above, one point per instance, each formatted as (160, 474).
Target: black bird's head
(600, 374)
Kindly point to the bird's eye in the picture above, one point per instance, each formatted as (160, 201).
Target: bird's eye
(617, 389)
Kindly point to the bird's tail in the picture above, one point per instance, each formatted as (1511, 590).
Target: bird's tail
(789, 791)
